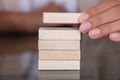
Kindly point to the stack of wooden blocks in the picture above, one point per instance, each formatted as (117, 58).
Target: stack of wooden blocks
(59, 48)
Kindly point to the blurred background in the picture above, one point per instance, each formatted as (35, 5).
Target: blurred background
(19, 24)
(30, 5)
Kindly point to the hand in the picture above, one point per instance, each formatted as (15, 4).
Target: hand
(102, 20)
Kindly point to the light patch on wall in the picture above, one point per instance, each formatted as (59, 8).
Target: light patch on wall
(11, 5)
(37, 4)
(1, 5)
(25, 5)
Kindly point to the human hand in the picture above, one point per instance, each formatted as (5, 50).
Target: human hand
(102, 20)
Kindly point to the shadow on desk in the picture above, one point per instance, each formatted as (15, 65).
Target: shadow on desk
(18, 57)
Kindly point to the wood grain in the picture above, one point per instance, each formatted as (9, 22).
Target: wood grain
(63, 18)
(59, 55)
(59, 34)
(59, 45)
(59, 65)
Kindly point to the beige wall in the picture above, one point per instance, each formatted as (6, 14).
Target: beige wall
(10, 5)
(85, 4)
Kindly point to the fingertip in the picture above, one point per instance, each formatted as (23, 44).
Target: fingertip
(85, 27)
(115, 37)
(95, 33)
(84, 16)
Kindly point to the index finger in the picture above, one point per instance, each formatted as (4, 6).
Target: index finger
(105, 5)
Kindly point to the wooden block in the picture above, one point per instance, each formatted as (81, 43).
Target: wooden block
(59, 65)
(59, 45)
(59, 34)
(62, 18)
(59, 55)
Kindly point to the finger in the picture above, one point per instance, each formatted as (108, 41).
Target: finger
(115, 36)
(104, 30)
(105, 5)
(106, 17)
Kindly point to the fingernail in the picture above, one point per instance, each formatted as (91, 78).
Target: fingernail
(83, 17)
(115, 35)
(95, 32)
(85, 26)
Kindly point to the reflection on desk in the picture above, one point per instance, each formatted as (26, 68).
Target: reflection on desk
(18, 57)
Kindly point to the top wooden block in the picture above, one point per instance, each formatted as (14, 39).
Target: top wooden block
(61, 18)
